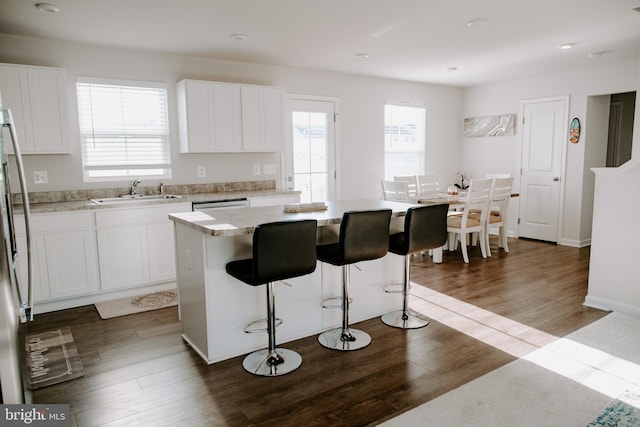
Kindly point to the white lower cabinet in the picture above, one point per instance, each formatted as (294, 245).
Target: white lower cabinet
(63, 253)
(78, 255)
(136, 246)
(123, 256)
(39, 260)
(71, 263)
(162, 257)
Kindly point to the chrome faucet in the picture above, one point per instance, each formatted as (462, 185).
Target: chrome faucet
(134, 186)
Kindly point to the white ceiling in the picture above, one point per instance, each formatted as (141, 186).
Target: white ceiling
(416, 40)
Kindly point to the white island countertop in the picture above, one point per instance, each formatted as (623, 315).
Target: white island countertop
(242, 221)
(215, 306)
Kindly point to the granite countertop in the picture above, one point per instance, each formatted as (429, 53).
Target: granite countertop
(242, 221)
(184, 198)
(74, 200)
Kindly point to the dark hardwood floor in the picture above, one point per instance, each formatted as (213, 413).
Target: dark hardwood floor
(139, 372)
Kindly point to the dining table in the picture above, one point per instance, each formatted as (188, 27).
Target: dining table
(453, 200)
(440, 198)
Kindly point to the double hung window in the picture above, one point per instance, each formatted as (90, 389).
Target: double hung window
(124, 129)
(404, 140)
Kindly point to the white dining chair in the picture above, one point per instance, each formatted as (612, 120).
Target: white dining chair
(460, 224)
(499, 211)
(412, 184)
(427, 185)
(395, 191)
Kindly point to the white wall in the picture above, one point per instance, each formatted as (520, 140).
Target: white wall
(500, 154)
(597, 128)
(635, 151)
(360, 151)
(615, 247)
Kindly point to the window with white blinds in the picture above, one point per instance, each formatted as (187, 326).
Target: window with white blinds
(124, 129)
(404, 140)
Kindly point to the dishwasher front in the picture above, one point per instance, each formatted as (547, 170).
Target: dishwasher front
(211, 206)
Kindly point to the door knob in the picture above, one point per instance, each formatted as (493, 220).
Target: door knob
(555, 178)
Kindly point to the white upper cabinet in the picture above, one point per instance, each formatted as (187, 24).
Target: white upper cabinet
(262, 118)
(37, 97)
(209, 117)
(227, 117)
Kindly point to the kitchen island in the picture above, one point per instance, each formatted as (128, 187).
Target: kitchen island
(215, 307)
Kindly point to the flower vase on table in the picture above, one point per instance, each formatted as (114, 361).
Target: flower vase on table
(461, 182)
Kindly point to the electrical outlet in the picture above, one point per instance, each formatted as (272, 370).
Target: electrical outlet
(270, 169)
(40, 177)
(256, 169)
(187, 258)
(202, 171)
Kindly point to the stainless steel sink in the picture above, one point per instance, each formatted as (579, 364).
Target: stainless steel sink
(128, 198)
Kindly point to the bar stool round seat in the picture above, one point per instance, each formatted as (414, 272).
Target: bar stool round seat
(425, 228)
(364, 235)
(281, 250)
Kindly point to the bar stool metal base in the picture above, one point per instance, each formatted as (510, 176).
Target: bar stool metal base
(399, 319)
(257, 363)
(333, 339)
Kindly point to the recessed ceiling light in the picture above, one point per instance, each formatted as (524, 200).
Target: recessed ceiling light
(47, 7)
(452, 69)
(238, 36)
(598, 54)
(477, 22)
(362, 56)
(566, 46)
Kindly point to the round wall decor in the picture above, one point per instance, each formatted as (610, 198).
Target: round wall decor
(574, 130)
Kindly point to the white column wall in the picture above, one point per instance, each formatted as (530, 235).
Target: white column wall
(615, 246)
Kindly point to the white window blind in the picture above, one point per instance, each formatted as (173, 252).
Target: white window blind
(404, 140)
(124, 129)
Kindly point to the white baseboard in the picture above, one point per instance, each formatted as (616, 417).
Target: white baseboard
(61, 304)
(575, 243)
(609, 305)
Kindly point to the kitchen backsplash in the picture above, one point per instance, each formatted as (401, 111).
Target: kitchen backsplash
(78, 195)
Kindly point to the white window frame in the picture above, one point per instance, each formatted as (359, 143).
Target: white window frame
(415, 146)
(98, 166)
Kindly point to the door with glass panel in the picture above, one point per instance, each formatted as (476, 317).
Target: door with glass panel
(309, 158)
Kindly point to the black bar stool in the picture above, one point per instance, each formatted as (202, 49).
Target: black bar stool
(281, 250)
(364, 235)
(425, 227)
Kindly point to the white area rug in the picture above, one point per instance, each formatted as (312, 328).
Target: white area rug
(138, 304)
(569, 382)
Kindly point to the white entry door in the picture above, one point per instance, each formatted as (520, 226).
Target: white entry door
(309, 157)
(544, 137)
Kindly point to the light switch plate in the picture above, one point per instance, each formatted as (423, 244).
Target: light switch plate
(270, 169)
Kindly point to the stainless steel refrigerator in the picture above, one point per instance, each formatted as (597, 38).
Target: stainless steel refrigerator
(16, 300)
